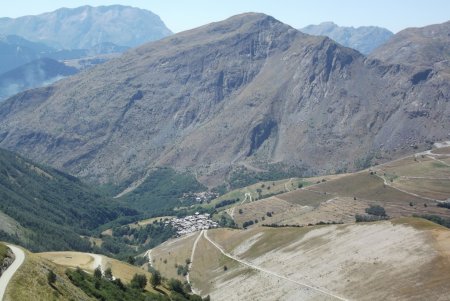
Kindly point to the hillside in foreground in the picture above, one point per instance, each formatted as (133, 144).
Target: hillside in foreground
(75, 279)
(403, 259)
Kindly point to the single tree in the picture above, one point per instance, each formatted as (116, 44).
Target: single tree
(108, 274)
(156, 278)
(139, 281)
(98, 272)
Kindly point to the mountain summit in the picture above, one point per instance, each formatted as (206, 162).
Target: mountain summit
(248, 91)
(85, 27)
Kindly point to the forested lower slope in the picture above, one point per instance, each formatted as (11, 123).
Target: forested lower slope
(48, 209)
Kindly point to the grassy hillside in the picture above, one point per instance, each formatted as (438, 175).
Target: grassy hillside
(31, 280)
(80, 267)
(402, 259)
(47, 209)
(413, 185)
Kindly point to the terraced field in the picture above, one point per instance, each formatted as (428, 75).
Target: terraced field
(405, 187)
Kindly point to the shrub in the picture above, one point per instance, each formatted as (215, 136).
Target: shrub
(51, 277)
(138, 281)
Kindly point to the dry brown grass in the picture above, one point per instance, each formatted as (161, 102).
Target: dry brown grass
(436, 189)
(442, 150)
(30, 282)
(405, 258)
(338, 210)
(171, 253)
(279, 209)
(120, 269)
(422, 167)
(208, 267)
(304, 197)
(70, 259)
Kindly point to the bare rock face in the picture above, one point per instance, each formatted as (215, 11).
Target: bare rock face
(249, 90)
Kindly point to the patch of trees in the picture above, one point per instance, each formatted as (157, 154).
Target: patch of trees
(241, 177)
(102, 288)
(374, 213)
(163, 189)
(247, 224)
(444, 205)
(226, 203)
(226, 221)
(56, 208)
(301, 226)
(436, 219)
(376, 210)
(144, 237)
(183, 270)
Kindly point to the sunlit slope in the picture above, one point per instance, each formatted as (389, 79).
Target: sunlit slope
(402, 259)
(410, 186)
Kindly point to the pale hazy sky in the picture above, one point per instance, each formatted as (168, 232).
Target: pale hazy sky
(180, 15)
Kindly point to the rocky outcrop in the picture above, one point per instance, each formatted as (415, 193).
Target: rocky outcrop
(7, 261)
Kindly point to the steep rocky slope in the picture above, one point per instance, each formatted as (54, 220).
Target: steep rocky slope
(249, 90)
(425, 46)
(87, 26)
(364, 39)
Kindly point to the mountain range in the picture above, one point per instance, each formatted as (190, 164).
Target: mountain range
(364, 39)
(247, 93)
(87, 26)
(78, 38)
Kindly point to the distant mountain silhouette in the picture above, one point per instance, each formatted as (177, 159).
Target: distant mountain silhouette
(364, 39)
(86, 26)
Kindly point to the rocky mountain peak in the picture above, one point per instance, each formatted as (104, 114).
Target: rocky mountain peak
(247, 91)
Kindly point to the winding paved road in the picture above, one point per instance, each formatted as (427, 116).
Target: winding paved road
(9, 273)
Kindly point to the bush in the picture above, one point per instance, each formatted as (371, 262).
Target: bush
(51, 277)
(247, 223)
(176, 286)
